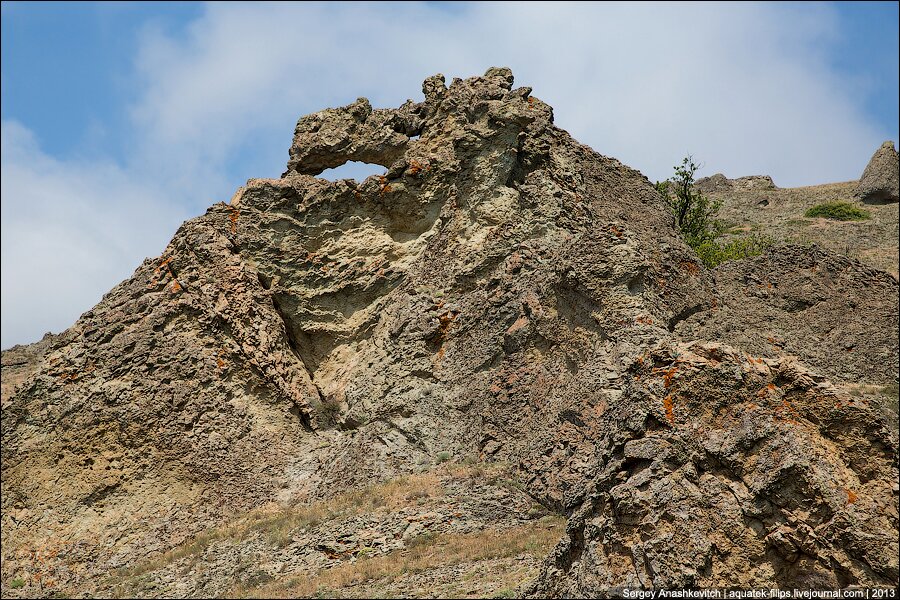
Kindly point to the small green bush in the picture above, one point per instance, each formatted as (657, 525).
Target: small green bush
(838, 211)
(696, 220)
(714, 253)
(17, 583)
(442, 457)
(695, 214)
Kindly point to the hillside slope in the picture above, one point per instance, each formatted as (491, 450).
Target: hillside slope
(501, 295)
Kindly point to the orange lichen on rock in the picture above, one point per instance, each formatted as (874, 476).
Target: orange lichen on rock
(445, 322)
(669, 405)
(786, 412)
(158, 271)
(233, 217)
(851, 496)
(415, 167)
(70, 376)
(764, 391)
(669, 375)
(163, 264)
(691, 267)
(385, 186)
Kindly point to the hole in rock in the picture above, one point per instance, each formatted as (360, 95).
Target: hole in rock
(352, 170)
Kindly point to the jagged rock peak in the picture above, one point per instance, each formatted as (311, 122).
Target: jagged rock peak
(357, 132)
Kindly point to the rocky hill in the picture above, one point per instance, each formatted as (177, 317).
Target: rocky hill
(347, 388)
(756, 204)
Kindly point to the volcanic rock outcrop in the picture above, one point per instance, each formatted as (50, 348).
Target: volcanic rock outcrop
(880, 182)
(501, 292)
(720, 183)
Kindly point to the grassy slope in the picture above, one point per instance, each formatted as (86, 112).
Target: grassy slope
(780, 213)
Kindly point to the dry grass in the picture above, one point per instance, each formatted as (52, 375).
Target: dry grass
(873, 240)
(437, 551)
(277, 523)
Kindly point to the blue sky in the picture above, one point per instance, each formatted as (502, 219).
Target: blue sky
(121, 120)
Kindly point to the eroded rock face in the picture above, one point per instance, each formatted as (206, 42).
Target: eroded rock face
(20, 362)
(500, 292)
(720, 468)
(720, 183)
(880, 182)
(838, 316)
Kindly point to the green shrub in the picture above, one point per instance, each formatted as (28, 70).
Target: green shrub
(838, 211)
(17, 583)
(442, 457)
(695, 214)
(714, 253)
(695, 217)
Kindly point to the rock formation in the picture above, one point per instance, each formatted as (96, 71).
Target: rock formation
(880, 182)
(501, 292)
(720, 183)
(838, 316)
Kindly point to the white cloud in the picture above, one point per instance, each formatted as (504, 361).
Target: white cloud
(746, 88)
(70, 233)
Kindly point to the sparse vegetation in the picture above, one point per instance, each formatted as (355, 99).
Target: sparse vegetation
(278, 525)
(838, 211)
(885, 396)
(695, 214)
(715, 253)
(696, 219)
(442, 457)
(438, 550)
(17, 583)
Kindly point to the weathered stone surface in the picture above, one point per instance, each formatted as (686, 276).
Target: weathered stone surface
(719, 468)
(20, 362)
(501, 292)
(838, 316)
(880, 182)
(720, 183)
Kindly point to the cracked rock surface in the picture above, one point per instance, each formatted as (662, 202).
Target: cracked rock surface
(503, 293)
